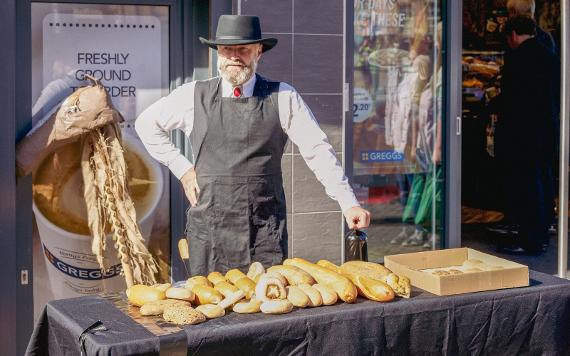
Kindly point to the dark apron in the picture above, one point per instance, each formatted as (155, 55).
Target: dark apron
(240, 216)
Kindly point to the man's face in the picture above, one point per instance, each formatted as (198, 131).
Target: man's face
(238, 63)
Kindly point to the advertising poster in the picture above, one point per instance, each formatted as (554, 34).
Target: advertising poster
(393, 63)
(126, 49)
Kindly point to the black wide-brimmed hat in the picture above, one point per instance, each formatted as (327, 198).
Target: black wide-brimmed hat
(239, 30)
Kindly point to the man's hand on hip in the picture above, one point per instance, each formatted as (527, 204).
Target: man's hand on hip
(357, 218)
(190, 185)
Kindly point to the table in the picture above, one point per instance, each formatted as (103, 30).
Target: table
(531, 320)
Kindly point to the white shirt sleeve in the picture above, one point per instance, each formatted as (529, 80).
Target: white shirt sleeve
(175, 111)
(300, 125)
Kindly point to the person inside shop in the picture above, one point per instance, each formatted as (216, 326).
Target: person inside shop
(238, 125)
(527, 8)
(525, 136)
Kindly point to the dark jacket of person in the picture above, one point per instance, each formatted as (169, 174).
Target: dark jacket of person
(526, 128)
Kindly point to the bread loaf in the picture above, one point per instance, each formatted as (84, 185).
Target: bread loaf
(329, 265)
(343, 287)
(232, 299)
(162, 287)
(180, 293)
(140, 294)
(157, 307)
(183, 314)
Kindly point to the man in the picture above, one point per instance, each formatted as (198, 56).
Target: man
(525, 134)
(238, 125)
(526, 8)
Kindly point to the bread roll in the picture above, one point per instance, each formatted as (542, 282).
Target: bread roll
(197, 280)
(140, 294)
(315, 298)
(206, 295)
(216, 277)
(269, 288)
(211, 311)
(232, 299)
(183, 314)
(293, 274)
(329, 295)
(180, 293)
(157, 307)
(233, 275)
(276, 306)
(246, 285)
(225, 288)
(297, 297)
(251, 306)
(255, 270)
(343, 287)
(162, 287)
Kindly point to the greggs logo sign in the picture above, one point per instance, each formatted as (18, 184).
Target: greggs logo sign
(82, 273)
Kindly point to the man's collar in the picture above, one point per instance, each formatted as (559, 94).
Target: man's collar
(246, 88)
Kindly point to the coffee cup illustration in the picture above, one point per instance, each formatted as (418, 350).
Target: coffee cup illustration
(61, 217)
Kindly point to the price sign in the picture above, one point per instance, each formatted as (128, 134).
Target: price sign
(362, 105)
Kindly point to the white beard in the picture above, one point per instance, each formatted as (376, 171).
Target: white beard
(239, 77)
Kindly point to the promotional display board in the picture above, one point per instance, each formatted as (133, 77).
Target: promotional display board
(126, 49)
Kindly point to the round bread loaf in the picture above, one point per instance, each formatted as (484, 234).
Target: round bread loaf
(183, 314)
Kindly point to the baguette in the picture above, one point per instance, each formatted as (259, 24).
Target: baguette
(329, 265)
(206, 295)
(400, 284)
(225, 288)
(246, 285)
(345, 289)
(372, 289)
(140, 294)
(293, 274)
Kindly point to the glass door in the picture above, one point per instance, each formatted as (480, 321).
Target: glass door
(397, 138)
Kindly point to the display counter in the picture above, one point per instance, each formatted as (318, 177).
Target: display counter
(530, 320)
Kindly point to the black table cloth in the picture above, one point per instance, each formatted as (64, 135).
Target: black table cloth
(534, 320)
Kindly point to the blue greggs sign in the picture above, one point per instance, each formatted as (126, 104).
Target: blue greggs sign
(82, 273)
(381, 156)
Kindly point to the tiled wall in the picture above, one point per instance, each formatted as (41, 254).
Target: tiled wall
(309, 56)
